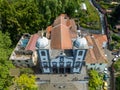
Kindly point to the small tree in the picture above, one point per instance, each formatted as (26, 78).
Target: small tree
(26, 82)
(95, 81)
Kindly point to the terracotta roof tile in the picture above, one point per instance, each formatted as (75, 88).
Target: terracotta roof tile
(95, 54)
(100, 38)
(63, 30)
(60, 38)
(90, 58)
(32, 42)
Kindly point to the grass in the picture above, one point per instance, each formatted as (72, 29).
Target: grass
(90, 18)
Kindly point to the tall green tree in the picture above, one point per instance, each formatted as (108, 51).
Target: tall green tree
(20, 16)
(5, 64)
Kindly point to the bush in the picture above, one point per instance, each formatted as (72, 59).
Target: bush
(117, 65)
(117, 83)
(116, 37)
(26, 71)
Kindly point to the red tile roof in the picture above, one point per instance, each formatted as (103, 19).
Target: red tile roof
(95, 54)
(101, 38)
(32, 42)
(60, 38)
(62, 32)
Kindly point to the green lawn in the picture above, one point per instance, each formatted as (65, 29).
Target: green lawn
(90, 18)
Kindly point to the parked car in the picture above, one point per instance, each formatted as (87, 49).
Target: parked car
(105, 85)
(105, 77)
(114, 53)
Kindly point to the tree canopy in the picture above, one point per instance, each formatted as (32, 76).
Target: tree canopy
(5, 64)
(95, 81)
(26, 82)
(29, 16)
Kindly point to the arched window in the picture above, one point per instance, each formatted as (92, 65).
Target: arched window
(43, 53)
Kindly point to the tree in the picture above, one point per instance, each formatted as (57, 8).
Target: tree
(117, 83)
(5, 64)
(117, 65)
(20, 16)
(95, 81)
(26, 82)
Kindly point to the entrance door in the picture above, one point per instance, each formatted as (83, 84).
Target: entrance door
(55, 70)
(61, 70)
(68, 70)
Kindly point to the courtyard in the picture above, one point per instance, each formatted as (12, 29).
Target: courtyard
(63, 81)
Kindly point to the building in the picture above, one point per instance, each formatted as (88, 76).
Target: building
(25, 55)
(63, 50)
(95, 58)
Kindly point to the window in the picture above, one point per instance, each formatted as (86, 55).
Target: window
(79, 58)
(80, 53)
(93, 64)
(45, 65)
(54, 64)
(26, 60)
(68, 64)
(100, 63)
(44, 58)
(43, 53)
(77, 64)
(61, 64)
(18, 60)
(61, 59)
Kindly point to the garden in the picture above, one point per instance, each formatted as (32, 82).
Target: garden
(90, 18)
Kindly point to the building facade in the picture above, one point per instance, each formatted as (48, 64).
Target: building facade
(63, 50)
(25, 55)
